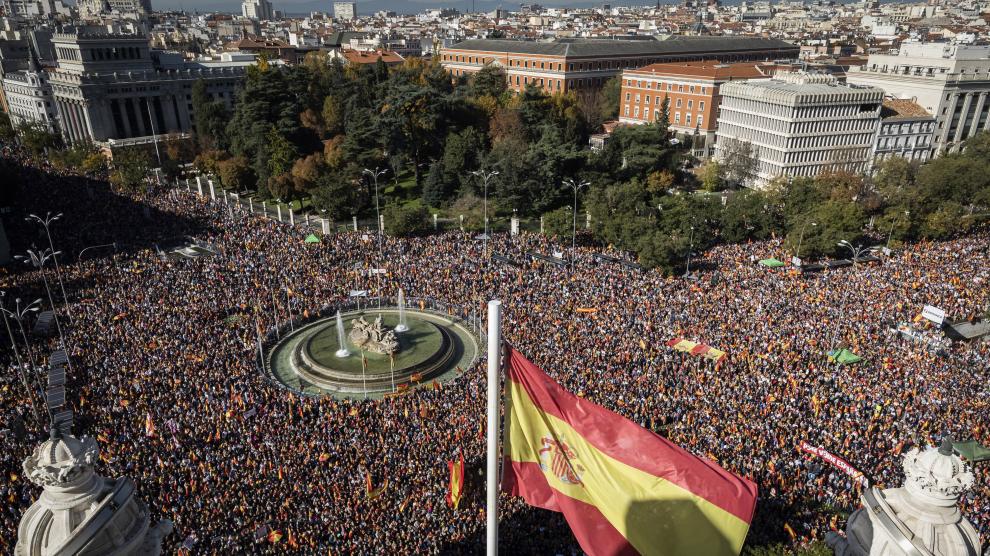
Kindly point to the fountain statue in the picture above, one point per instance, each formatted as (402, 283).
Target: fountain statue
(402, 327)
(341, 340)
(373, 337)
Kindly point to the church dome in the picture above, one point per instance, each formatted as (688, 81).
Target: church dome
(936, 476)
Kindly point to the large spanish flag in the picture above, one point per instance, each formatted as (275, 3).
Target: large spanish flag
(622, 488)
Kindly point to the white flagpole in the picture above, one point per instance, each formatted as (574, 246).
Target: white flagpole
(494, 366)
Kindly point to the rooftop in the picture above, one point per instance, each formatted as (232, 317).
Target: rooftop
(710, 69)
(902, 108)
(606, 47)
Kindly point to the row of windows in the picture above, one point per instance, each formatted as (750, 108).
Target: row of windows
(547, 83)
(670, 86)
(555, 66)
(699, 119)
(677, 102)
(908, 142)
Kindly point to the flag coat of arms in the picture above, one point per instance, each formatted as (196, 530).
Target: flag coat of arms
(622, 488)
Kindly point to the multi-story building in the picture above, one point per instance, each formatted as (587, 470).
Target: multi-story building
(29, 96)
(692, 92)
(257, 9)
(798, 124)
(116, 87)
(951, 82)
(345, 11)
(576, 64)
(906, 130)
(93, 8)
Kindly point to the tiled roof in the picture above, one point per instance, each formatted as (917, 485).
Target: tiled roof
(361, 57)
(604, 47)
(902, 108)
(711, 69)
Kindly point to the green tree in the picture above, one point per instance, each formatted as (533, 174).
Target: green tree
(748, 215)
(279, 155)
(209, 118)
(711, 176)
(130, 167)
(337, 196)
(405, 220)
(7, 131)
(236, 173)
(489, 81)
(559, 222)
(610, 93)
(38, 138)
(739, 160)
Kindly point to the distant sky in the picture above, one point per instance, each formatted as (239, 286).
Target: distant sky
(372, 6)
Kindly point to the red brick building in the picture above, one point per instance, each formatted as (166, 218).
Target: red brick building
(577, 64)
(692, 89)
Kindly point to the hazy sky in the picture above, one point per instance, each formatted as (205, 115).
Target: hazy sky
(371, 6)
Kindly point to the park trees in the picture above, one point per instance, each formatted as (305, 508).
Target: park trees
(129, 169)
(210, 118)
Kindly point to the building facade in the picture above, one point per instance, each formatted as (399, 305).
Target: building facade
(578, 64)
(116, 87)
(692, 92)
(951, 82)
(28, 96)
(345, 10)
(906, 130)
(257, 9)
(798, 124)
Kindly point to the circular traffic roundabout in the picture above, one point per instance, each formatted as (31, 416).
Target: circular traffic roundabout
(372, 353)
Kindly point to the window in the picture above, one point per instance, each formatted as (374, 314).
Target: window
(636, 112)
(628, 95)
(690, 104)
(701, 105)
(692, 88)
(637, 97)
(677, 117)
(647, 99)
(626, 111)
(678, 103)
(657, 100)
(700, 122)
(687, 119)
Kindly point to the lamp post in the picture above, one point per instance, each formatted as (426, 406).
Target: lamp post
(38, 259)
(17, 355)
(857, 251)
(485, 178)
(46, 222)
(890, 233)
(378, 215)
(19, 314)
(801, 237)
(687, 268)
(576, 186)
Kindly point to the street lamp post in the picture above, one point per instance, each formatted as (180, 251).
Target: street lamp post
(378, 215)
(687, 268)
(19, 314)
(46, 222)
(890, 233)
(17, 356)
(801, 238)
(485, 178)
(857, 251)
(576, 186)
(38, 260)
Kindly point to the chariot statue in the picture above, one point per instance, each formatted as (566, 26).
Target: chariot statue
(373, 337)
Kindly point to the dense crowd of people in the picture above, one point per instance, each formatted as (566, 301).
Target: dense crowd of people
(235, 455)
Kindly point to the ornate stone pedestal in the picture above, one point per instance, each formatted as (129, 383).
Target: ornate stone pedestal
(80, 513)
(920, 519)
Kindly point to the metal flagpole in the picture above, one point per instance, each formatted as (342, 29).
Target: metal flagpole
(494, 366)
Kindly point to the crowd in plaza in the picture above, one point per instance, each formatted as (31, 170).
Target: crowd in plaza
(235, 455)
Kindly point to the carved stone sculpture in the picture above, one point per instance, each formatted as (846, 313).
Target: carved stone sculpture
(373, 337)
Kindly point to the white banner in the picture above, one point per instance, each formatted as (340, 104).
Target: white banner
(933, 314)
(359, 293)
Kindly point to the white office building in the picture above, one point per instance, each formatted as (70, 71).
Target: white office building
(345, 10)
(257, 9)
(950, 81)
(798, 124)
(29, 95)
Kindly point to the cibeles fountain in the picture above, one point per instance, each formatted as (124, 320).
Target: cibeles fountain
(922, 518)
(79, 512)
(373, 351)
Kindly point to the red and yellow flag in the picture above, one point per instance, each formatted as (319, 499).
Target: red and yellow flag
(274, 536)
(622, 488)
(149, 426)
(456, 487)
